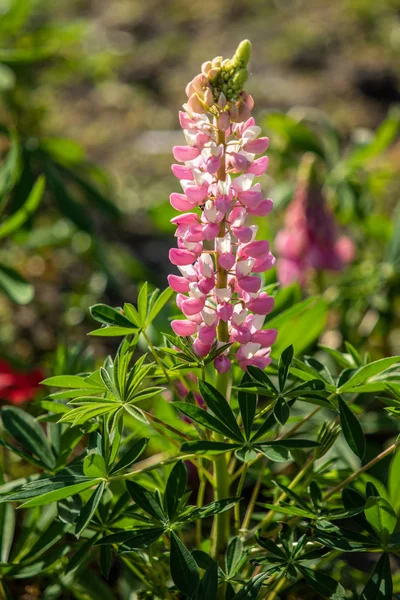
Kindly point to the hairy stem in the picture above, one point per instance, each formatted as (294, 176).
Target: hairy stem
(354, 476)
(238, 494)
(278, 587)
(221, 486)
(253, 499)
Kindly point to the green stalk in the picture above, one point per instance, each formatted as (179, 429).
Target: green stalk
(221, 486)
(238, 494)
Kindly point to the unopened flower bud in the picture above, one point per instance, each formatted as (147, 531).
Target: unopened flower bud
(208, 97)
(239, 79)
(206, 66)
(243, 53)
(222, 100)
(213, 73)
(216, 62)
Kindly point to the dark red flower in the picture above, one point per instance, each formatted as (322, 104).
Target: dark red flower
(17, 387)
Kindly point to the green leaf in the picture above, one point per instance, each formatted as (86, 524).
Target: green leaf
(70, 381)
(220, 407)
(247, 405)
(204, 446)
(140, 538)
(285, 360)
(14, 222)
(281, 411)
(130, 456)
(296, 135)
(299, 325)
(365, 373)
(322, 584)
(80, 556)
(261, 378)
(208, 587)
(89, 509)
(213, 508)
(159, 304)
(110, 316)
(265, 426)
(105, 560)
(59, 494)
(113, 331)
(184, 571)
(7, 526)
(15, 286)
(142, 304)
(288, 509)
(352, 429)
(28, 433)
(381, 516)
(175, 488)
(94, 466)
(146, 500)
(204, 418)
(394, 482)
(290, 443)
(251, 590)
(379, 586)
(276, 453)
(10, 171)
(234, 556)
(136, 413)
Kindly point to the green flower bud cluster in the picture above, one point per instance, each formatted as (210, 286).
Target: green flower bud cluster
(230, 75)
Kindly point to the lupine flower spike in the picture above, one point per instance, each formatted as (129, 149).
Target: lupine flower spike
(219, 289)
(310, 240)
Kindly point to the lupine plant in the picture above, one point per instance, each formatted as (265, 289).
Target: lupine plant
(202, 464)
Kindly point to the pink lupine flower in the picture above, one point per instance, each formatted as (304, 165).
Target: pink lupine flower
(310, 239)
(219, 290)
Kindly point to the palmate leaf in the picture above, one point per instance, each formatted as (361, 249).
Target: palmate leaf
(140, 538)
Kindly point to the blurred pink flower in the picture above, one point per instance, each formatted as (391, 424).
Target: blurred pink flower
(310, 238)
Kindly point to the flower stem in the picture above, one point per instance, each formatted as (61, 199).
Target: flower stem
(354, 476)
(278, 587)
(221, 485)
(238, 494)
